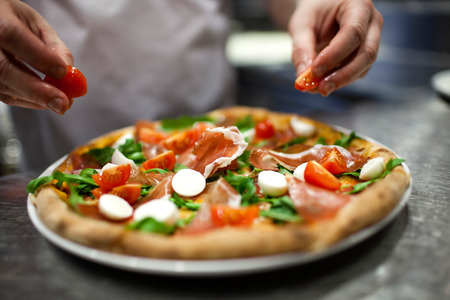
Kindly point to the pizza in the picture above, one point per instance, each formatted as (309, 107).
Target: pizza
(234, 182)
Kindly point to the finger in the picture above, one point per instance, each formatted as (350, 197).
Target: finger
(358, 66)
(354, 23)
(26, 85)
(19, 40)
(14, 101)
(303, 43)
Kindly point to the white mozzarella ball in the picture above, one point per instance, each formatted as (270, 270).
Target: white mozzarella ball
(119, 159)
(121, 140)
(107, 166)
(372, 169)
(188, 183)
(114, 207)
(162, 210)
(272, 183)
(302, 128)
(299, 172)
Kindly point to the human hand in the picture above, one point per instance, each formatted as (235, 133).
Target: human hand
(26, 39)
(338, 39)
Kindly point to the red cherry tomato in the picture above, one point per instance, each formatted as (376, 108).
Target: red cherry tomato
(73, 84)
(317, 175)
(130, 192)
(264, 129)
(223, 215)
(334, 161)
(184, 140)
(165, 160)
(112, 177)
(306, 81)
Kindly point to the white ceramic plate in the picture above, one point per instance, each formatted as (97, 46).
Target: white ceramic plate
(220, 267)
(441, 84)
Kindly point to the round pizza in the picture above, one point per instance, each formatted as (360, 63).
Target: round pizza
(235, 182)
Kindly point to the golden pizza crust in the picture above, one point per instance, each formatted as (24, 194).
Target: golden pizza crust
(365, 209)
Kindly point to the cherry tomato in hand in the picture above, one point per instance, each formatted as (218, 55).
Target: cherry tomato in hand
(73, 84)
(317, 175)
(264, 129)
(334, 161)
(306, 81)
(112, 177)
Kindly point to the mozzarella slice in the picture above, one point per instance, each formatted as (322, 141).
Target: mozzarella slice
(119, 159)
(299, 172)
(162, 210)
(272, 183)
(372, 169)
(188, 182)
(107, 166)
(114, 207)
(302, 128)
(121, 140)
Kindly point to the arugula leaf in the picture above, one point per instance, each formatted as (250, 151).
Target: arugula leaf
(83, 181)
(183, 122)
(102, 155)
(243, 160)
(145, 189)
(179, 167)
(245, 124)
(281, 210)
(184, 203)
(244, 185)
(283, 170)
(390, 165)
(152, 225)
(156, 170)
(74, 197)
(321, 141)
(345, 141)
(132, 150)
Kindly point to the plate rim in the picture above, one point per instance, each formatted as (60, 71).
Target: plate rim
(216, 267)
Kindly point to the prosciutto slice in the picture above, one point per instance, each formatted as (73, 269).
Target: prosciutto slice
(217, 148)
(314, 203)
(291, 161)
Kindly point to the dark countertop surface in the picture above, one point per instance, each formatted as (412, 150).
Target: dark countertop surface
(408, 259)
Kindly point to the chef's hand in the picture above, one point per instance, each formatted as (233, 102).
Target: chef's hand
(339, 39)
(27, 39)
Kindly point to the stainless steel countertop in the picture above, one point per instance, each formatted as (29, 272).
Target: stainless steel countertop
(409, 259)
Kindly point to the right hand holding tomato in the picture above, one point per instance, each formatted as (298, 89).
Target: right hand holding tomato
(26, 39)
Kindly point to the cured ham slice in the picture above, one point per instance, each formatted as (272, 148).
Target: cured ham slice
(314, 203)
(217, 148)
(221, 192)
(292, 160)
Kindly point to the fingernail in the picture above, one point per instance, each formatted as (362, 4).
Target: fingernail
(57, 105)
(328, 86)
(58, 72)
(320, 71)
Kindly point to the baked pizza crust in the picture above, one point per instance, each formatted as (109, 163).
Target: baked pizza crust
(365, 208)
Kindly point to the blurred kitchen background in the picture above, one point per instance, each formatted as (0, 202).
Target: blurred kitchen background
(415, 45)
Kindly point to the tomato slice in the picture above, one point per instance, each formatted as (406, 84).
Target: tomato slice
(165, 160)
(264, 129)
(130, 192)
(145, 132)
(184, 140)
(306, 81)
(112, 177)
(334, 161)
(317, 175)
(223, 215)
(73, 84)
(97, 192)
